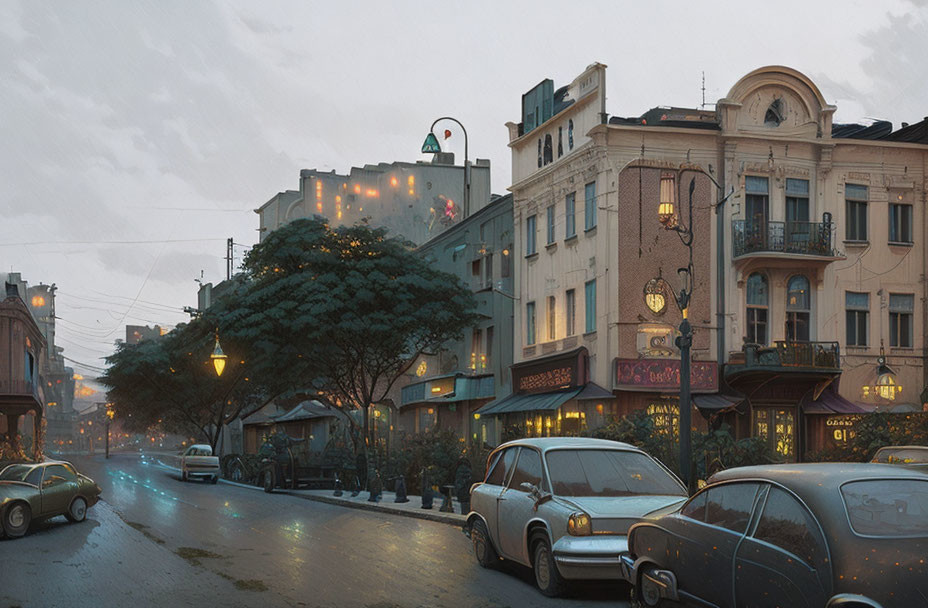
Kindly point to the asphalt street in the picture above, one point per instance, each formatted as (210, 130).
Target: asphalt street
(155, 540)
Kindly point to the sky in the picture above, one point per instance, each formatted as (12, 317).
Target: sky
(137, 136)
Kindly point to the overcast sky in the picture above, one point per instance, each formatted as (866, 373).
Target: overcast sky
(138, 136)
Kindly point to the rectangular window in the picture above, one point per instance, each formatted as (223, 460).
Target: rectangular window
(901, 308)
(757, 325)
(505, 269)
(589, 215)
(570, 215)
(571, 305)
(552, 318)
(488, 270)
(900, 223)
(756, 210)
(858, 311)
(476, 349)
(550, 214)
(856, 198)
(530, 323)
(475, 268)
(590, 302)
(530, 227)
(489, 347)
(798, 231)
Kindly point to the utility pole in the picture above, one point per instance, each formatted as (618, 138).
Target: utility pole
(229, 258)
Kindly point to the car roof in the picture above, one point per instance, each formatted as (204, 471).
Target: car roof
(548, 443)
(903, 447)
(817, 483)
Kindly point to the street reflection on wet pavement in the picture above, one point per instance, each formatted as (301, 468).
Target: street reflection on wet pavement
(202, 544)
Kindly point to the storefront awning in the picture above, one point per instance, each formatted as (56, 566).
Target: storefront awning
(594, 391)
(829, 402)
(520, 402)
(716, 401)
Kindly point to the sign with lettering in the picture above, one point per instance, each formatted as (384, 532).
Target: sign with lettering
(664, 375)
(551, 373)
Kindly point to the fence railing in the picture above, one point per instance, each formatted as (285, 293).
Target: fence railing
(754, 236)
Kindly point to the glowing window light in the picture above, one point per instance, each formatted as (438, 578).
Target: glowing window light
(411, 180)
(393, 181)
(319, 206)
(412, 192)
(38, 301)
(357, 188)
(338, 198)
(372, 192)
(338, 214)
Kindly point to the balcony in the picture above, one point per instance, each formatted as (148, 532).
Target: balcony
(815, 358)
(19, 396)
(754, 238)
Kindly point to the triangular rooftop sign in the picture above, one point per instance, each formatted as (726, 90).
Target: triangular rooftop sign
(431, 145)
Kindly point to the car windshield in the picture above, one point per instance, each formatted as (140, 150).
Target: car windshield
(15, 472)
(199, 452)
(902, 456)
(887, 507)
(608, 473)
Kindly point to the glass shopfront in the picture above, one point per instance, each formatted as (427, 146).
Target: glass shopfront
(777, 427)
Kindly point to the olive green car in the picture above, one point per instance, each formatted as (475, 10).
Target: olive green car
(31, 492)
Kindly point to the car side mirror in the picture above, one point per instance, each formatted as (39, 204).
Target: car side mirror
(536, 492)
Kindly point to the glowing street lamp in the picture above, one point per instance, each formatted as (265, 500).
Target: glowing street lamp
(218, 357)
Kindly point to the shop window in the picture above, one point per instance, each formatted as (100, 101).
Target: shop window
(901, 307)
(856, 198)
(571, 305)
(857, 313)
(900, 223)
(570, 215)
(666, 418)
(777, 428)
(798, 309)
(757, 308)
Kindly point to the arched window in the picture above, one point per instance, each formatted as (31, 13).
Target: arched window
(549, 149)
(539, 153)
(758, 300)
(798, 309)
(570, 134)
(560, 142)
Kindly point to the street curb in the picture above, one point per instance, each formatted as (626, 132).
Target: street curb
(423, 514)
(240, 485)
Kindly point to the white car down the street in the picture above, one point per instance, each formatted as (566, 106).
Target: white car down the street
(563, 506)
(198, 461)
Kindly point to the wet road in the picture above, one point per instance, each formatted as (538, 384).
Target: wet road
(238, 546)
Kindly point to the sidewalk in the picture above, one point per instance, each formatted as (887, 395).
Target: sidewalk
(413, 508)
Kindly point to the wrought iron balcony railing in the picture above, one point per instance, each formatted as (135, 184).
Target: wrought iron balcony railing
(817, 355)
(758, 236)
(19, 388)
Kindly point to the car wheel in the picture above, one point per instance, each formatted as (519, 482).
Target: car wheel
(77, 512)
(214, 479)
(183, 475)
(268, 480)
(549, 580)
(483, 548)
(647, 592)
(16, 519)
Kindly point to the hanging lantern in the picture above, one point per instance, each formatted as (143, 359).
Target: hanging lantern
(218, 357)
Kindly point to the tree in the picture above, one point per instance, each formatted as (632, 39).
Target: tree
(170, 381)
(341, 313)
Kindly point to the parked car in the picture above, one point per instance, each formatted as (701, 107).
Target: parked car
(32, 492)
(563, 506)
(198, 461)
(914, 456)
(801, 535)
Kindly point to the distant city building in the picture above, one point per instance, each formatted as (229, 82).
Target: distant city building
(415, 200)
(444, 390)
(137, 333)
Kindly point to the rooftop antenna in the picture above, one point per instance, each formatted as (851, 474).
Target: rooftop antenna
(703, 107)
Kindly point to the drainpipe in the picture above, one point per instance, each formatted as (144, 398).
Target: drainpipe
(720, 261)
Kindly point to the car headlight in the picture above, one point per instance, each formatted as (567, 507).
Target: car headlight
(579, 524)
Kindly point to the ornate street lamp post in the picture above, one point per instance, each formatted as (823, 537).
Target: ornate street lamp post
(668, 219)
(431, 146)
(218, 357)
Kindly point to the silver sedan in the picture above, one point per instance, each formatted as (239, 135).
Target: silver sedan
(563, 506)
